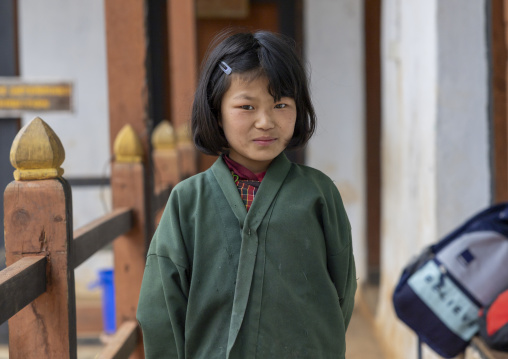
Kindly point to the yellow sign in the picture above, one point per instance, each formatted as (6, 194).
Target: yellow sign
(17, 97)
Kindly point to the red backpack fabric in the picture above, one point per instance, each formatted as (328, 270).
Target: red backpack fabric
(494, 322)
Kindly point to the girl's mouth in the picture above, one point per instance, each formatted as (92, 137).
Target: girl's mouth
(264, 141)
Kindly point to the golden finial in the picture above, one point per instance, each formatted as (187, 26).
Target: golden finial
(163, 136)
(127, 147)
(183, 134)
(37, 152)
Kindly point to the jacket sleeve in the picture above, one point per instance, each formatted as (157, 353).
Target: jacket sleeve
(343, 273)
(163, 298)
(340, 258)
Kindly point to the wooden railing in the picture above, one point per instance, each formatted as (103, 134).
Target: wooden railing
(95, 235)
(37, 292)
(20, 284)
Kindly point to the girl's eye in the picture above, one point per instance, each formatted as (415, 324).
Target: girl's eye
(280, 105)
(247, 107)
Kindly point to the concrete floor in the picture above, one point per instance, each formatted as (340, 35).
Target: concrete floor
(361, 342)
(84, 352)
(360, 338)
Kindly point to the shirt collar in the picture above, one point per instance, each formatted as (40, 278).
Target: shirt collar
(243, 172)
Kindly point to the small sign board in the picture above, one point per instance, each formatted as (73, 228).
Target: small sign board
(18, 95)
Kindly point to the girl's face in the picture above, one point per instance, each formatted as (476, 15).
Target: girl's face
(257, 128)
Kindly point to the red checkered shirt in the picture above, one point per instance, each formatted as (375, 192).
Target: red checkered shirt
(247, 189)
(246, 181)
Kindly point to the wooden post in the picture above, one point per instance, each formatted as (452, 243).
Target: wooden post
(186, 152)
(38, 221)
(183, 77)
(126, 37)
(128, 79)
(182, 58)
(165, 158)
(499, 60)
(372, 67)
(128, 187)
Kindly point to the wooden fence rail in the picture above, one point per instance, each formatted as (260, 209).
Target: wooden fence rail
(123, 343)
(20, 284)
(37, 293)
(95, 235)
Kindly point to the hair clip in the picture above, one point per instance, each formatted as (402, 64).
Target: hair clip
(225, 67)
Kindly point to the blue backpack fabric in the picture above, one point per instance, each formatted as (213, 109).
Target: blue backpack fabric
(440, 292)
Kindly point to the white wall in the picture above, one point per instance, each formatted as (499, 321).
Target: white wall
(65, 40)
(334, 52)
(62, 39)
(434, 136)
(463, 184)
(409, 76)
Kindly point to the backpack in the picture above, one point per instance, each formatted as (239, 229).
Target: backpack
(441, 291)
(494, 322)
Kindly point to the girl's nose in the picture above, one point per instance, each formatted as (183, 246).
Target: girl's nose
(264, 121)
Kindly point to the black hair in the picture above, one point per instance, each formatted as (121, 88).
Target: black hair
(259, 53)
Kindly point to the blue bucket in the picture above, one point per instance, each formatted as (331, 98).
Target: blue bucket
(107, 283)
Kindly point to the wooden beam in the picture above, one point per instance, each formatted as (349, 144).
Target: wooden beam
(499, 96)
(126, 38)
(20, 284)
(182, 58)
(129, 90)
(95, 235)
(499, 58)
(183, 72)
(123, 342)
(222, 9)
(372, 43)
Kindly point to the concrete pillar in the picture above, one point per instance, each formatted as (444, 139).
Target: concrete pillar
(334, 53)
(435, 149)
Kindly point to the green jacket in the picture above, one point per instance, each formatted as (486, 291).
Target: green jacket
(276, 282)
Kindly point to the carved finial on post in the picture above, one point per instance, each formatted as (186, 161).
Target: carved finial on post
(37, 152)
(163, 137)
(127, 146)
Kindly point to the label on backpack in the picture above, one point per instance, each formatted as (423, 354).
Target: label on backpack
(477, 260)
(446, 300)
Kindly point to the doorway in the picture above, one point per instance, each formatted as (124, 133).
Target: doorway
(282, 16)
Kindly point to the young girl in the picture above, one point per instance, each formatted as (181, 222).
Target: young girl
(253, 257)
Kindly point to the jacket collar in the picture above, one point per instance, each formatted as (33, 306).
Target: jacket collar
(275, 175)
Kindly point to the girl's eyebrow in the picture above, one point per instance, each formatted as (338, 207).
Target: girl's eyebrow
(243, 96)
